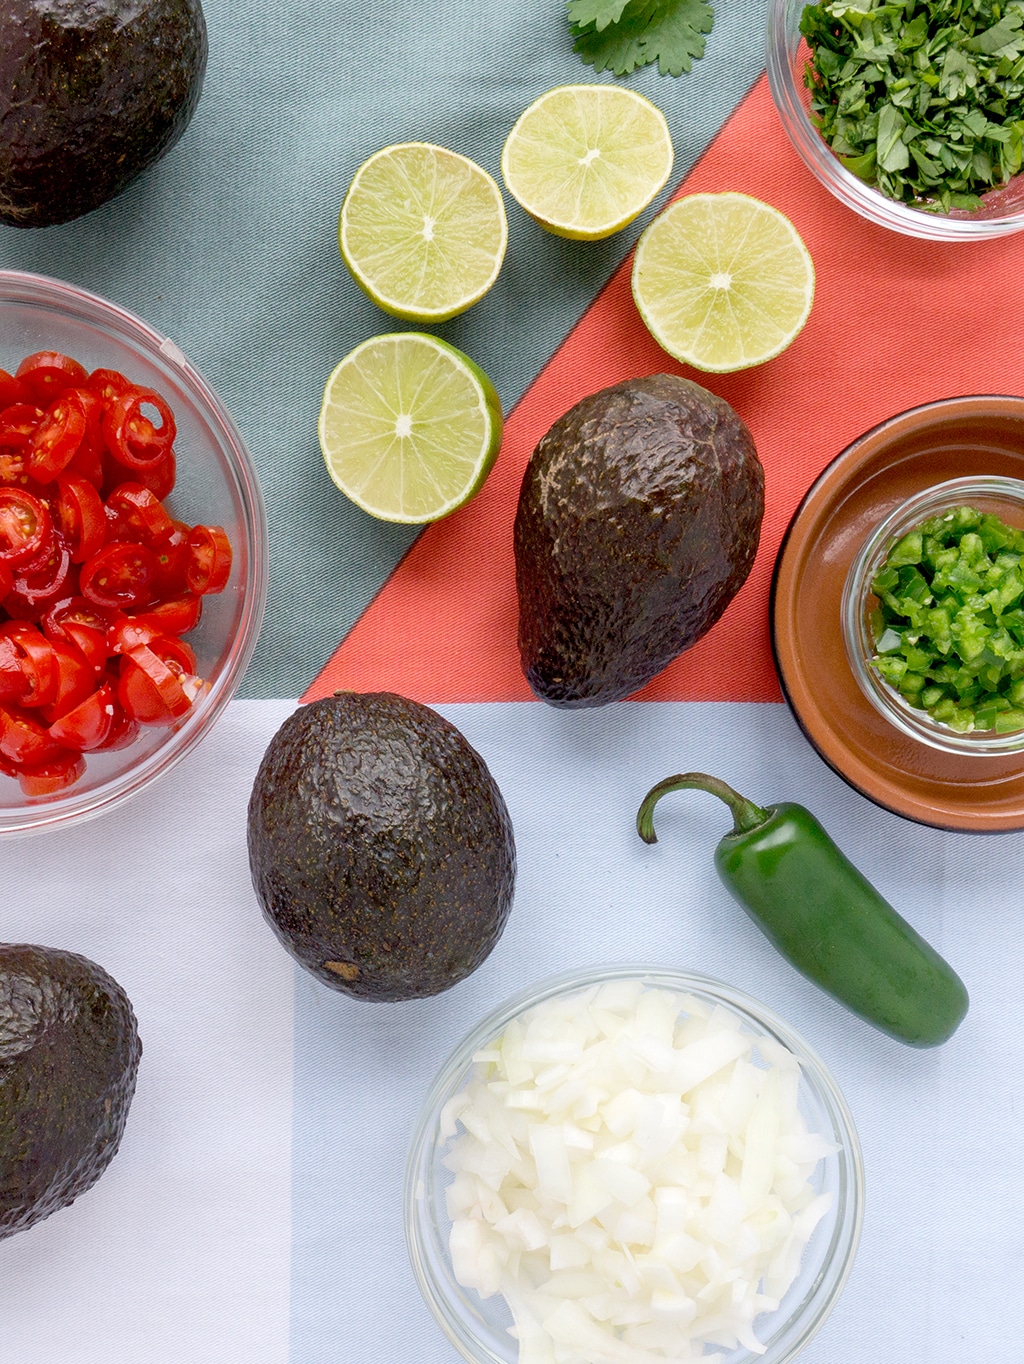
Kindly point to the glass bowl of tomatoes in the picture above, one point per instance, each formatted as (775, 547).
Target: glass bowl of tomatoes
(133, 554)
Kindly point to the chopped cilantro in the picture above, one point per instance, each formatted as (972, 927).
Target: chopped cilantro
(620, 35)
(922, 98)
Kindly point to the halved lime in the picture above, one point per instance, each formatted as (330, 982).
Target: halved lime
(722, 281)
(423, 231)
(584, 160)
(409, 427)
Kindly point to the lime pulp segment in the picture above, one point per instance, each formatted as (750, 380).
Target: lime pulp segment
(409, 427)
(423, 231)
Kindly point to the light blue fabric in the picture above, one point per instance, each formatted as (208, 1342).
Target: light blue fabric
(229, 244)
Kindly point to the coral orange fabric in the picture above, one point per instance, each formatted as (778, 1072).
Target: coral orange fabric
(896, 321)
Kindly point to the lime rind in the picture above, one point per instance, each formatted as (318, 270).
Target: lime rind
(409, 427)
(423, 231)
(586, 160)
(723, 281)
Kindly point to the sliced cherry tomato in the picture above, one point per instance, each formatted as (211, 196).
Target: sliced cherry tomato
(90, 724)
(132, 438)
(18, 424)
(56, 439)
(109, 384)
(149, 689)
(47, 778)
(37, 661)
(80, 516)
(12, 390)
(124, 730)
(209, 559)
(42, 581)
(24, 740)
(25, 526)
(82, 625)
(75, 681)
(174, 616)
(120, 575)
(13, 682)
(48, 373)
(136, 513)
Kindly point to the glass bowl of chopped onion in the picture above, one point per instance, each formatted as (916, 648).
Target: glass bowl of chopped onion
(631, 1164)
(894, 128)
(933, 616)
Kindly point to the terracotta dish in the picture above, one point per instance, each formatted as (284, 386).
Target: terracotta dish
(909, 452)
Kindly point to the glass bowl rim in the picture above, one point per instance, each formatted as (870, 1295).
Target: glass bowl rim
(32, 289)
(856, 591)
(811, 1313)
(851, 191)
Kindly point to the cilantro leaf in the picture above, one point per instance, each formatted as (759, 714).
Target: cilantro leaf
(597, 14)
(669, 32)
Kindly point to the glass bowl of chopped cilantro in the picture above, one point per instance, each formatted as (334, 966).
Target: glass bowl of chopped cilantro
(933, 616)
(911, 113)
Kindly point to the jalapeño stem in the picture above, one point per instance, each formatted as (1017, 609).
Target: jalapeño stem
(745, 814)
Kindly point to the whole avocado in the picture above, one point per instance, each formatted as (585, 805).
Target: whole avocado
(91, 93)
(69, 1053)
(380, 847)
(638, 521)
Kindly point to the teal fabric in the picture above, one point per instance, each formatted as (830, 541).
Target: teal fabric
(229, 245)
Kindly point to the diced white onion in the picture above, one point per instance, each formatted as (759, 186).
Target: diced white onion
(633, 1173)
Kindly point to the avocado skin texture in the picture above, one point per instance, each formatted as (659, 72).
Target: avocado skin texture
(380, 847)
(91, 93)
(69, 1053)
(638, 521)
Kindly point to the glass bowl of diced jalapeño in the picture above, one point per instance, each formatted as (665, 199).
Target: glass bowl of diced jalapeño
(933, 616)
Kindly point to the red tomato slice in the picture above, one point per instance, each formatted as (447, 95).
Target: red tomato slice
(24, 740)
(47, 373)
(75, 681)
(124, 730)
(109, 384)
(18, 425)
(130, 434)
(12, 390)
(25, 526)
(175, 616)
(80, 516)
(49, 777)
(90, 724)
(149, 689)
(138, 514)
(57, 438)
(37, 661)
(79, 623)
(13, 682)
(209, 564)
(120, 575)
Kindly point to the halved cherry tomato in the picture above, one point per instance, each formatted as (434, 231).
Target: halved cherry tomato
(13, 682)
(47, 373)
(149, 689)
(124, 730)
(18, 425)
(90, 724)
(75, 681)
(209, 565)
(12, 390)
(24, 740)
(120, 574)
(84, 626)
(37, 661)
(80, 516)
(56, 439)
(42, 581)
(132, 438)
(136, 513)
(25, 526)
(47, 778)
(109, 384)
(175, 616)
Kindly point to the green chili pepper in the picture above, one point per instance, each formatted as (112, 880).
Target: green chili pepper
(824, 917)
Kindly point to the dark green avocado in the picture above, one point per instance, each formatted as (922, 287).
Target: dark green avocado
(380, 847)
(69, 1052)
(91, 93)
(638, 520)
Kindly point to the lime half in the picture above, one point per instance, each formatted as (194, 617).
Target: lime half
(584, 160)
(722, 281)
(409, 427)
(423, 231)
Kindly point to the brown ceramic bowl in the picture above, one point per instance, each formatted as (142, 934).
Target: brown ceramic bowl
(973, 436)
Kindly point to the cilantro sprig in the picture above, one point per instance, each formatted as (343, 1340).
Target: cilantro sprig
(922, 98)
(621, 35)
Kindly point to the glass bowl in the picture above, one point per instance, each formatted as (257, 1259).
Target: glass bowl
(1002, 210)
(479, 1326)
(216, 484)
(1004, 497)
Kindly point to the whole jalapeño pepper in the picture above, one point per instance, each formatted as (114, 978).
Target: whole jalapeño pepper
(824, 917)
